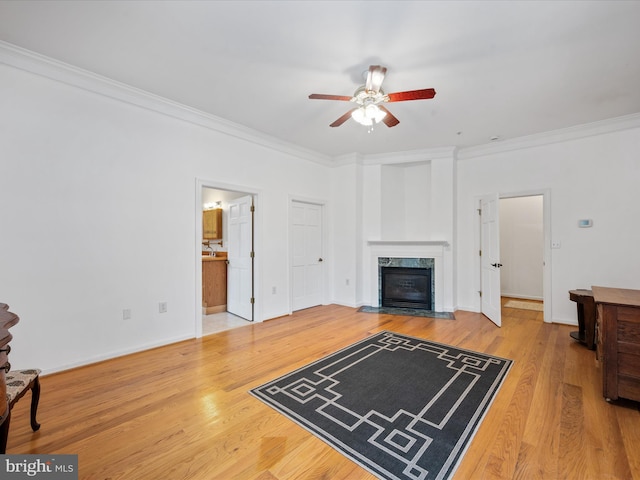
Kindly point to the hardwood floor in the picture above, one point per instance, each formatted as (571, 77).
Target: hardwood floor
(183, 411)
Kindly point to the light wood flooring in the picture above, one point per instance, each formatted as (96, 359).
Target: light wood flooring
(183, 411)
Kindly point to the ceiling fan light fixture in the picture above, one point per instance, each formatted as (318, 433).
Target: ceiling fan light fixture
(375, 112)
(360, 116)
(367, 115)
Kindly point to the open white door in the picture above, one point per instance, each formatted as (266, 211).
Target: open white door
(240, 258)
(490, 257)
(306, 232)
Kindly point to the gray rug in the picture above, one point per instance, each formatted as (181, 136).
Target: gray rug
(401, 407)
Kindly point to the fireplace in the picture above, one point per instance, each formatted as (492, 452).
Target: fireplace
(406, 287)
(406, 282)
(430, 254)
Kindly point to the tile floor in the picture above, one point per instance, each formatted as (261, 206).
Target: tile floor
(219, 322)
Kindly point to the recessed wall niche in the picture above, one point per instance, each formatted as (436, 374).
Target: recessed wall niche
(406, 201)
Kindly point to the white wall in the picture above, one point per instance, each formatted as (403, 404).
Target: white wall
(521, 247)
(346, 231)
(99, 215)
(406, 203)
(393, 203)
(594, 177)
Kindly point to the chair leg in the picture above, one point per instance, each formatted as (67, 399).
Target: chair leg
(35, 398)
(4, 433)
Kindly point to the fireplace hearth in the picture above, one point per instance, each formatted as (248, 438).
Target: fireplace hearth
(404, 287)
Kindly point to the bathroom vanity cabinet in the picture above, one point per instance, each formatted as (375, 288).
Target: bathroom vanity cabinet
(214, 283)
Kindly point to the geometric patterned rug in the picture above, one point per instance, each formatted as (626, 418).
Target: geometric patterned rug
(401, 407)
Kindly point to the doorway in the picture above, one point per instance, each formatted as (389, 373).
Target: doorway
(237, 205)
(521, 247)
(521, 260)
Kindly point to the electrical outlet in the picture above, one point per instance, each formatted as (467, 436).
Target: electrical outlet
(126, 314)
(162, 307)
(555, 244)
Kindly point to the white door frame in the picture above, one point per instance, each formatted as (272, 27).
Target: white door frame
(257, 236)
(546, 226)
(325, 270)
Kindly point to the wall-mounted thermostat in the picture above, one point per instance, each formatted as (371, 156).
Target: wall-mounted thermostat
(585, 223)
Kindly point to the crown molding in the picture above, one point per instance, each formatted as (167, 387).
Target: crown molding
(556, 136)
(41, 65)
(348, 159)
(409, 157)
(610, 125)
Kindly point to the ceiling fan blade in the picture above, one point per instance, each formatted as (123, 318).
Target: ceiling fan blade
(374, 78)
(342, 119)
(389, 119)
(322, 96)
(424, 94)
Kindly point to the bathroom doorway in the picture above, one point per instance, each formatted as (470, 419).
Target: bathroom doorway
(213, 256)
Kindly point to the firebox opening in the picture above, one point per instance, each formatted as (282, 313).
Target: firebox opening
(406, 287)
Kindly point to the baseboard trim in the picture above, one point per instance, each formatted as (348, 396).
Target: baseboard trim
(116, 354)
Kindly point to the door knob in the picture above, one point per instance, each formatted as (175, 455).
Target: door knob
(320, 259)
(496, 265)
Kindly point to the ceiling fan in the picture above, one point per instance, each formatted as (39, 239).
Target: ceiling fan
(369, 99)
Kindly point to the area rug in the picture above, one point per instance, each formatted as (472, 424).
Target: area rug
(524, 305)
(410, 312)
(401, 407)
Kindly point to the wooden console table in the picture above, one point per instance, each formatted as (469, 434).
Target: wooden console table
(618, 341)
(586, 317)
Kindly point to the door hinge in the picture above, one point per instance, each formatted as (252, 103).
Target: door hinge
(253, 300)
(480, 292)
(252, 254)
(479, 211)
(480, 252)
(253, 208)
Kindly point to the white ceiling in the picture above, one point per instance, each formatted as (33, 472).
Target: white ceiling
(500, 68)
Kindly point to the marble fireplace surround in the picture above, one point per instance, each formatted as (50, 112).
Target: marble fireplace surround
(408, 249)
